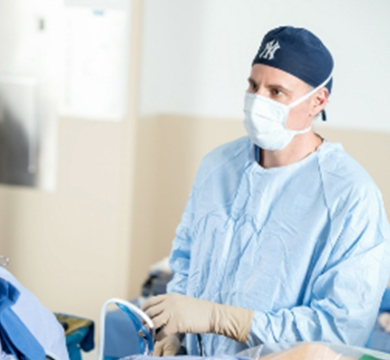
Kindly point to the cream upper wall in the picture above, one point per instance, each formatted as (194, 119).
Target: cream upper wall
(197, 55)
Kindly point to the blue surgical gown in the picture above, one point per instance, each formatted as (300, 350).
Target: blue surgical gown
(306, 246)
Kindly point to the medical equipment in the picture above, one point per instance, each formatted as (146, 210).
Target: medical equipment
(142, 323)
(4, 261)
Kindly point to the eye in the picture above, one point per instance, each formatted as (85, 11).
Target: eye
(253, 86)
(276, 92)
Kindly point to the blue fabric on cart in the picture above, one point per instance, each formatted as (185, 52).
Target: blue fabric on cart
(380, 339)
(121, 338)
(39, 320)
(16, 338)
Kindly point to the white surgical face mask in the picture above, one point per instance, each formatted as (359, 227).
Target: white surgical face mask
(265, 120)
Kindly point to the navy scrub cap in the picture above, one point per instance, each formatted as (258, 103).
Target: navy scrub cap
(298, 52)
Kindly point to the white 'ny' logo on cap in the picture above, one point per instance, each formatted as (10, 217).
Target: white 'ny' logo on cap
(269, 50)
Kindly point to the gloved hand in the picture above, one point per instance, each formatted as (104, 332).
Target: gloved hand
(182, 314)
(168, 346)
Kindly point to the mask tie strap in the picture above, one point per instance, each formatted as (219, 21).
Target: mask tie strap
(303, 98)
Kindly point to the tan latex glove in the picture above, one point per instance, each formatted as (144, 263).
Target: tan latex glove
(168, 346)
(183, 314)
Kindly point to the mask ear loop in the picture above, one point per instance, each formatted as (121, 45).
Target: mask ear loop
(312, 92)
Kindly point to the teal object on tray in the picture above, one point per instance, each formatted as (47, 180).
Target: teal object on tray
(79, 334)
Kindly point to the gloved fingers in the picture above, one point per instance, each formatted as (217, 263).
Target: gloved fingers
(158, 349)
(168, 346)
(170, 351)
(155, 310)
(154, 300)
(160, 320)
(161, 334)
(167, 330)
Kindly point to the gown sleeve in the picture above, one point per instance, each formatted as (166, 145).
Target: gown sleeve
(180, 257)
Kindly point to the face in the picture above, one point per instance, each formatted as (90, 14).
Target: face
(285, 88)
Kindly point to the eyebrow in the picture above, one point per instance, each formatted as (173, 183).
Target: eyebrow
(250, 80)
(279, 87)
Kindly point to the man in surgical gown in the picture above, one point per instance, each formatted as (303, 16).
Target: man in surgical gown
(284, 237)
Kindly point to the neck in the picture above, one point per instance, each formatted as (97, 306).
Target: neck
(300, 147)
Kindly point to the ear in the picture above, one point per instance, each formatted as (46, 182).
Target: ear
(319, 101)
